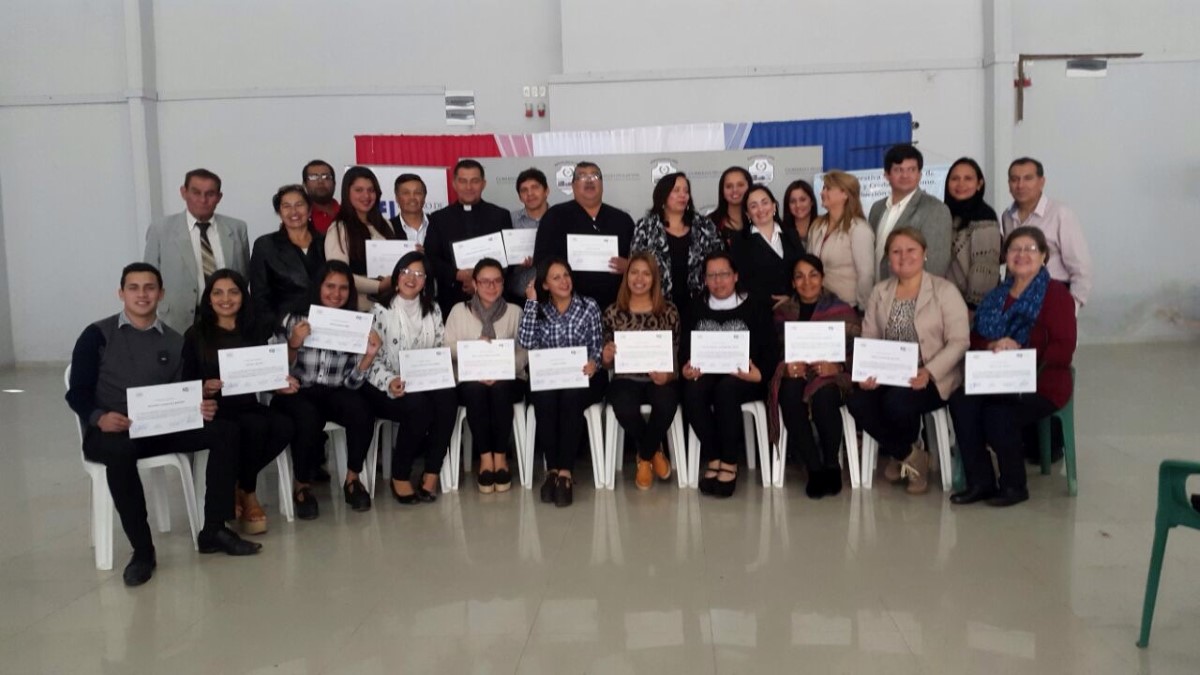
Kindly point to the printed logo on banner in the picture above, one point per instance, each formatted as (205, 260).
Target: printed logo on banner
(564, 174)
(660, 168)
(762, 169)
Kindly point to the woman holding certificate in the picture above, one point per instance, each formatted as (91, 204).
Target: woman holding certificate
(642, 308)
(729, 344)
(330, 389)
(358, 220)
(844, 241)
(226, 322)
(815, 387)
(489, 402)
(410, 320)
(555, 318)
(765, 251)
(1028, 310)
(916, 307)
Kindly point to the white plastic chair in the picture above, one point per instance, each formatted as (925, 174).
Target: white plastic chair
(283, 466)
(614, 446)
(942, 430)
(459, 460)
(849, 442)
(754, 424)
(594, 416)
(102, 503)
(337, 441)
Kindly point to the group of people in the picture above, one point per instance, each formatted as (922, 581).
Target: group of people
(916, 269)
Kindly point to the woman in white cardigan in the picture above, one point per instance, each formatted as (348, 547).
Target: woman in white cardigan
(844, 241)
(489, 403)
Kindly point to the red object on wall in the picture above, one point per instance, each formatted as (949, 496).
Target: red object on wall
(408, 150)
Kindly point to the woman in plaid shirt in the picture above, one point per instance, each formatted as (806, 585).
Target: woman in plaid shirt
(554, 316)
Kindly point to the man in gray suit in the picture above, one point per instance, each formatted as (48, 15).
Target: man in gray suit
(909, 206)
(188, 247)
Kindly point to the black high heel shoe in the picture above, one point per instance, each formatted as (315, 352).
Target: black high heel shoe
(723, 488)
(403, 499)
(707, 482)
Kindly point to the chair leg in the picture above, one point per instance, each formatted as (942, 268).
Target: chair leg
(102, 523)
(779, 456)
(200, 478)
(1045, 443)
(850, 441)
(748, 432)
(693, 458)
(1152, 579)
(284, 468)
(678, 448)
(195, 512)
(1068, 427)
(870, 455)
(156, 487)
(614, 437)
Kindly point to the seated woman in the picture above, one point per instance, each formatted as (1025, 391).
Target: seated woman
(357, 221)
(764, 252)
(712, 402)
(975, 265)
(817, 389)
(330, 390)
(678, 237)
(730, 216)
(227, 322)
(1029, 310)
(844, 241)
(489, 404)
(800, 208)
(555, 317)
(911, 306)
(411, 320)
(285, 262)
(641, 306)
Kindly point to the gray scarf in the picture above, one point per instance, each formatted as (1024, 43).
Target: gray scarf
(488, 316)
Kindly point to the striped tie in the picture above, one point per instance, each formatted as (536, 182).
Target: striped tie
(208, 262)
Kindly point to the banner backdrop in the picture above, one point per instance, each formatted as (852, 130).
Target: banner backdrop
(874, 185)
(629, 179)
(435, 178)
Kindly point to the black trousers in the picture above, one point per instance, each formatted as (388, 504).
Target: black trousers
(713, 406)
(892, 415)
(627, 396)
(995, 420)
(310, 409)
(490, 413)
(425, 420)
(560, 421)
(119, 454)
(825, 411)
(264, 434)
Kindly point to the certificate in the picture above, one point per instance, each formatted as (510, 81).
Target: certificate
(470, 251)
(518, 244)
(486, 360)
(426, 369)
(720, 352)
(560, 368)
(382, 255)
(889, 362)
(591, 252)
(249, 370)
(164, 408)
(1008, 372)
(813, 341)
(338, 329)
(644, 351)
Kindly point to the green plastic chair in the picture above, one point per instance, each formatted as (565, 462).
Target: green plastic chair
(1173, 509)
(1066, 415)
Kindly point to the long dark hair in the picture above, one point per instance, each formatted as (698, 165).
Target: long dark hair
(426, 296)
(789, 221)
(543, 271)
(662, 190)
(334, 267)
(356, 232)
(206, 321)
(973, 208)
(720, 216)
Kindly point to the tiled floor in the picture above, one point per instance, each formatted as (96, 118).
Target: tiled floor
(629, 582)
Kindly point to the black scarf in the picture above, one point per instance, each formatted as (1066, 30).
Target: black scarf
(967, 211)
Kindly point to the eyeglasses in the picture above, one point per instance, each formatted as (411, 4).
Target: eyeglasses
(1031, 248)
(319, 176)
(490, 283)
(715, 276)
(588, 177)
(416, 274)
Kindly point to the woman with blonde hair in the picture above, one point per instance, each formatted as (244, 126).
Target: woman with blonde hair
(844, 241)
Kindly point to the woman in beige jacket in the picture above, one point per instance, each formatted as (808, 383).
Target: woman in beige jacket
(917, 307)
(844, 241)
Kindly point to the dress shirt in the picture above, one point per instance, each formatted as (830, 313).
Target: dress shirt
(1068, 260)
(776, 240)
(417, 235)
(123, 320)
(213, 239)
(890, 216)
(543, 327)
(523, 221)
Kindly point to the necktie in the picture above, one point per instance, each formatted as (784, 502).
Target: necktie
(208, 262)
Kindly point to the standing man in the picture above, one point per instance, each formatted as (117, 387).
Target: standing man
(1068, 259)
(411, 223)
(587, 214)
(188, 247)
(467, 218)
(532, 190)
(909, 206)
(135, 349)
(320, 182)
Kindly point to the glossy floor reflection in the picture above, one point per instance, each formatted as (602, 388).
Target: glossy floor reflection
(630, 582)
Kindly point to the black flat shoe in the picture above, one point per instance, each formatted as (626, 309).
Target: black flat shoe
(547, 493)
(225, 540)
(427, 496)
(1009, 497)
(972, 495)
(564, 493)
(356, 496)
(503, 480)
(487, 482)
(305, 504)
(140, 569)
(403, 499)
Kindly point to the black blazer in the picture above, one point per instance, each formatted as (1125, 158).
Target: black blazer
(281, 276)
(761, 273)
(451, 224)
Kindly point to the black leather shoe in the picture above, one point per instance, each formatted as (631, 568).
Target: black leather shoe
(1009, 497)
(403, 499)
(815, 488)
(487, 482)
(564, 493)
(503, 480)
(427, 496)
(547, 493)
(305, 504)
(356, 496)
(140, 569)
(225, 540)
(833, 481)
(972, 495)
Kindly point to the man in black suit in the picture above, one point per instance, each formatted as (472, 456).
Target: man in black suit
(467, 218)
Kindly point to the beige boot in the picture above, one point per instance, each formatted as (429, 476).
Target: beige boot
(916, 469)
